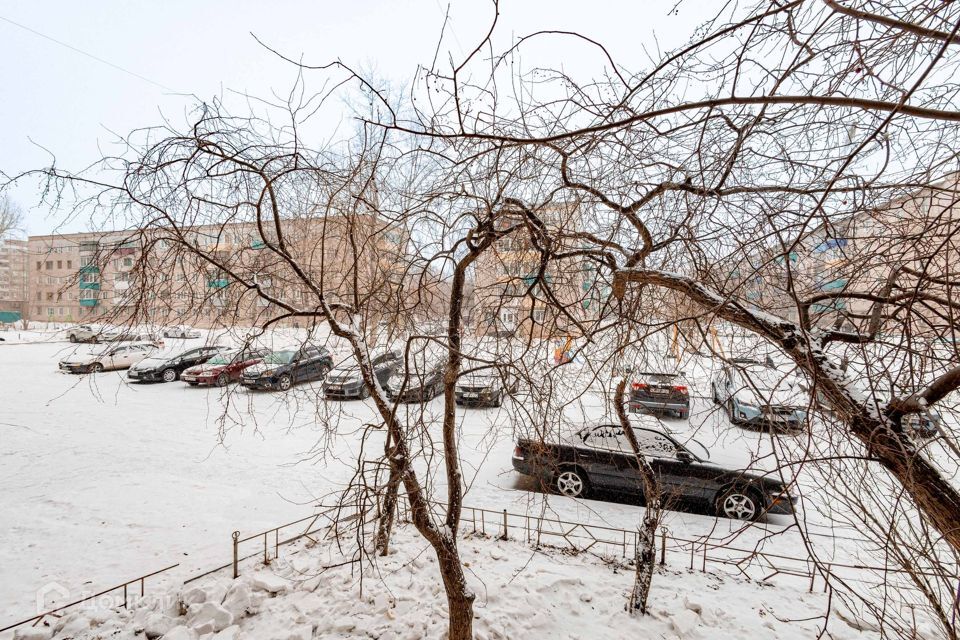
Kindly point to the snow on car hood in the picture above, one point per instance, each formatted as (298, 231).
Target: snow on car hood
(87, 358)
(345, 374)
(783, 395)
(260, 368)
(150, 363)
(205, 368)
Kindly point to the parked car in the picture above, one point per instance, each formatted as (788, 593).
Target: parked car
(923, 425)
(345, 381)
(127, 335)
(660, 393)
(180, 332)
(223, 368)
(108, 358)
(600, 458)
(422, 382)
(758, 396)
(83, 333)
(486, 387)
(286, 367)
(167, 367)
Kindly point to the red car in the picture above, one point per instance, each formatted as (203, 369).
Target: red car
(224, 368)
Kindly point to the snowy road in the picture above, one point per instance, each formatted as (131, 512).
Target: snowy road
(104, 481)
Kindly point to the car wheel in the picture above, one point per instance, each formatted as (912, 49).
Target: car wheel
(364, 392)
(499, 400)
(73, 338)
(684, 414)
(716, 398)
(169, 375)
(223, 380)
(285, 382)
(572, 483)
(97, 367)
(192, 384)
(324, 370)
(739, 504)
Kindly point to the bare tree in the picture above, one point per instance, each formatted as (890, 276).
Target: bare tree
(11, 216)
(689, 195)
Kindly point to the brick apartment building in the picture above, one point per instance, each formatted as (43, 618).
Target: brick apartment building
(505, 298)
(111, 276)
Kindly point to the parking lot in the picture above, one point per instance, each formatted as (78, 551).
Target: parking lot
(106, 480)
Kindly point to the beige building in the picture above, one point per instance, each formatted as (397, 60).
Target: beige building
(154, 277)
(510, 295)
(13, 280)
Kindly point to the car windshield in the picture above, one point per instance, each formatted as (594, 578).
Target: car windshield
(280, 357)
(766, 379)
(223, 358)
(347, 366)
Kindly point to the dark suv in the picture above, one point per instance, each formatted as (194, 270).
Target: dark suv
(660, 393)
(284, 368)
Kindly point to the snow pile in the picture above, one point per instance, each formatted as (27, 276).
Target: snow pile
(520, 593)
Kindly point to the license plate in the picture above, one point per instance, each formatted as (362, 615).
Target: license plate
(471, 395)
(133, 374)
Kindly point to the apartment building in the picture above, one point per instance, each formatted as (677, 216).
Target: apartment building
(857, 256)
(511, 295)
(13, 280)
(159, 276)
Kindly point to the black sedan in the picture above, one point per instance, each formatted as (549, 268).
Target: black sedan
(284, 368)
(168, 367)
(420, 384)
(600, 458)
(345, 381)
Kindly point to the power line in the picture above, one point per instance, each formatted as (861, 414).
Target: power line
(89, 55)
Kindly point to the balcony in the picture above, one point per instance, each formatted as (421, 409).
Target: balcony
(90, 285)
(90, 268)
(217, 283)
(89, 302)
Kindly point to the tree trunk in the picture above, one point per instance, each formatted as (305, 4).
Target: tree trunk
(388, 513)
(459, 597)
(646, 560)
(646, 551)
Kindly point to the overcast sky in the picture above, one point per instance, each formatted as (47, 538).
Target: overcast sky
(173, 53)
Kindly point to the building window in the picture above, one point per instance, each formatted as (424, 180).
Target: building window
(69, 264)
(60, 265)
(49, 311)
(128, 262)
(49, 295)
(39, 265)
(49, 264)
(39, 297)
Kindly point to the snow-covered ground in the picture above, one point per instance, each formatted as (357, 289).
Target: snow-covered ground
(105, 480)
(520, 593)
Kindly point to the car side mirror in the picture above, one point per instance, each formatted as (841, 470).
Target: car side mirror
(684, 455)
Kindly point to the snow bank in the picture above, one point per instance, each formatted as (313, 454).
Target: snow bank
(520, 593)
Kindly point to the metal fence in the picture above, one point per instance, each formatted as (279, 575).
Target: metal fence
(540, 531)
(124, 588)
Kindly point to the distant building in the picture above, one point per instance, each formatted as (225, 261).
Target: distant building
(512, 294)
(13, 280)
(149, 276)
